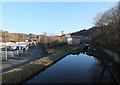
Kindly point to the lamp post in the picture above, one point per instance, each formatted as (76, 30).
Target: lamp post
(17, 45)
(5, 47)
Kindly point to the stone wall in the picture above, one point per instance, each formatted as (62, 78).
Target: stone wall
(112, 54)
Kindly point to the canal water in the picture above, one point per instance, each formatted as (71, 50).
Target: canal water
(80, 68)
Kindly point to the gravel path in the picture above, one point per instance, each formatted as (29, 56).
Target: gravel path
(34, 53)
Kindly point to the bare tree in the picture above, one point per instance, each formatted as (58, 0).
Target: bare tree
(100, 22)
(108, 24)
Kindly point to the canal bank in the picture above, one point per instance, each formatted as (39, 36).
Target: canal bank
(113, 66)
(23, 73)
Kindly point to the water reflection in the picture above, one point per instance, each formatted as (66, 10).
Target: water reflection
(100, 73)
(80, 68)
(83, 52)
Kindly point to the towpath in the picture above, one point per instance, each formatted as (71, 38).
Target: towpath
(34, 53)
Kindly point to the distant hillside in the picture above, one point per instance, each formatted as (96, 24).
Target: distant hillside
(82, 32)
(15, 37)
(19, 37)
(90, 32)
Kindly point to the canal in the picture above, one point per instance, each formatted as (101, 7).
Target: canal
(80, 68)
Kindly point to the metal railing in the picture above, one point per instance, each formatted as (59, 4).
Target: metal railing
(11, 54)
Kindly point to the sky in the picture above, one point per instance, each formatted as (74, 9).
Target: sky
(50, 17)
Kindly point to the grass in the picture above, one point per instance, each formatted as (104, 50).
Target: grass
(23, 73)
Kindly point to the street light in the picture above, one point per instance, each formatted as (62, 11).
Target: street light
(5, 47)
(18, 43)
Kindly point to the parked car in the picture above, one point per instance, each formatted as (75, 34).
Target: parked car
(13, 48)
(26, 48)
(8, 48)
(17, 47)
(21, 47)
(3, 49)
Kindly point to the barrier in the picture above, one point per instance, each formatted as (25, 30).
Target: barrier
(11, 54)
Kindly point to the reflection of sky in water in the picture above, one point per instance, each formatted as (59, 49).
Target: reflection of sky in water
(74, 69)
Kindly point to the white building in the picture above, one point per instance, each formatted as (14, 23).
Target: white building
(7, 43)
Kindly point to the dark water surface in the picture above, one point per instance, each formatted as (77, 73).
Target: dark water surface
(80, 68)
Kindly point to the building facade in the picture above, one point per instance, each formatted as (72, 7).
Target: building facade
(77, 39)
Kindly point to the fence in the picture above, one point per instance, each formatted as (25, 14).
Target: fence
(11, 54)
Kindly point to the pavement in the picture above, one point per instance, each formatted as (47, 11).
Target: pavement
(35, 52)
